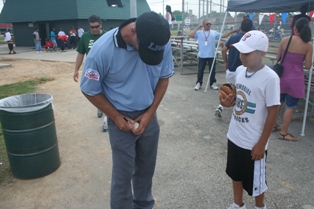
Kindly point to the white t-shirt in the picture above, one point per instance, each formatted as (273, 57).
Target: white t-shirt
(254, 95)
(170, 17)
(7, 36)
(80, 32)
(61, 33)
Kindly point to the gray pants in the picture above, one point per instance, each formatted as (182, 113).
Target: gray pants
(133, 160)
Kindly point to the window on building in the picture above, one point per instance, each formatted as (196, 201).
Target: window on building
(114, 3)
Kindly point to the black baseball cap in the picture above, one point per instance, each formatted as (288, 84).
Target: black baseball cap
(153, 34)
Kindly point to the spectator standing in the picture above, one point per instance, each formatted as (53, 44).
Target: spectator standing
(292, 86)
(53, 38)
(80, 32)
(86, 42)
(254, 114)
(72, 38)
(246, 17)
(37, 41)
(168, 15)
(62, 39)
(9, 38)
(233, 61)
(303, 9)
(206, 51)
(126, 75)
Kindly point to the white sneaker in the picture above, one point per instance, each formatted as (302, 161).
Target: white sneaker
(255, 207)
(213, 86)
(235, 206)
(197, 87)
(218, 111)
(105, 127)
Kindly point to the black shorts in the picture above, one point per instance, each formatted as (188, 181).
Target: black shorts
(10, 46)
(240, 167)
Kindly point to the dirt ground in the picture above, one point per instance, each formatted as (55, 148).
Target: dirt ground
(22, 70)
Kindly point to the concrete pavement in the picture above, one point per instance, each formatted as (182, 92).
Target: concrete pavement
(30, 53)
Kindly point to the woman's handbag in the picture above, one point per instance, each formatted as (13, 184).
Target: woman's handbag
(278, 67)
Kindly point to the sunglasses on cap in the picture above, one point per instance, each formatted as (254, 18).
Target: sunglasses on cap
(96, 26)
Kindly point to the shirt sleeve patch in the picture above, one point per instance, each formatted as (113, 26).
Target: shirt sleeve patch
(92, 74)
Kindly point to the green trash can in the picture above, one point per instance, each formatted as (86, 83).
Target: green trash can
(30, 137)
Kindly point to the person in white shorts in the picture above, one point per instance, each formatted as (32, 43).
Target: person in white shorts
(254, 114)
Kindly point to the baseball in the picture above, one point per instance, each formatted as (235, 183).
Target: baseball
(135, 126)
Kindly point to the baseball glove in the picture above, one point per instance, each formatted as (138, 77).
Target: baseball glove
(226, 89)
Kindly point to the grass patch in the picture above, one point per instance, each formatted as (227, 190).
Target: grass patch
(24, 87)
(2, 40)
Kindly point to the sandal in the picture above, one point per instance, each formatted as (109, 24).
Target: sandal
(276, 128)
(287, 137)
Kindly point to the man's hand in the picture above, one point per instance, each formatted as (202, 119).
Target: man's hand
(75, 76)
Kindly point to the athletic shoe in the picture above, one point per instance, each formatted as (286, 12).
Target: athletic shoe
(255, 207)
(235, 206)
(213, 86)
(99, 113)
(197, 87)
(218, 112)
(105, 127)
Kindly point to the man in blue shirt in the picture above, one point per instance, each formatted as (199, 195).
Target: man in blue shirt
(126, 75)
(53, 38)
(206, 51)
(233, 61)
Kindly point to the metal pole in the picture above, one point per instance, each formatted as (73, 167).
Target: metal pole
(133, 8)
(206, 9)
(214, 60)
(199, 10)
(182, 13)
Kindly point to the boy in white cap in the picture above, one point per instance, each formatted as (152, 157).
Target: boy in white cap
(254, 113)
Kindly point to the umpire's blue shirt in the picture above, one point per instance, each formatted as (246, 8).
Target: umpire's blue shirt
(115, 69)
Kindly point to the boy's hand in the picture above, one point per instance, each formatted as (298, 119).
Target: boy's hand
(229, 101)
(258, 152)
(227, 95)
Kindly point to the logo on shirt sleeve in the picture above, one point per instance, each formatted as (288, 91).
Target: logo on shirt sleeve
(92, 74)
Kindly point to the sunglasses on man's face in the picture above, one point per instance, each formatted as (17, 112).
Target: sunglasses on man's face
(93, 27)
(208, 24)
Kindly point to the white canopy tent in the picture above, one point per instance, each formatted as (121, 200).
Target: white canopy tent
(268, 6)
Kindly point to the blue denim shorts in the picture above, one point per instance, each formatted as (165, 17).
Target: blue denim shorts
(291, 102)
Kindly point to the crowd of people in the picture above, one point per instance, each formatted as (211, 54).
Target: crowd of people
(62, 40)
